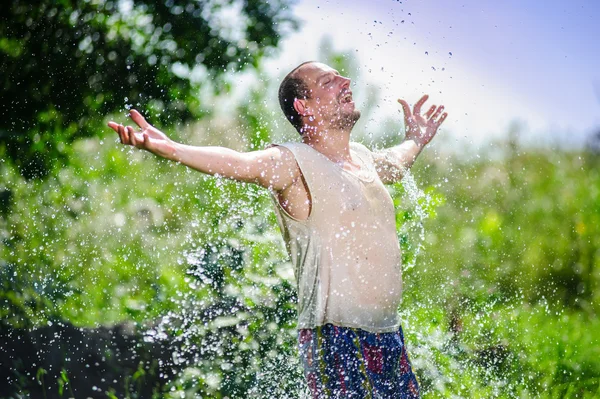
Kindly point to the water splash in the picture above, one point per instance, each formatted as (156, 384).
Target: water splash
(412, 230)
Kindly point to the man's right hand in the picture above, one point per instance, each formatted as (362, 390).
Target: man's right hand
(148, 138)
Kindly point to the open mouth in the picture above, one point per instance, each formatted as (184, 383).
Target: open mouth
(346, 97)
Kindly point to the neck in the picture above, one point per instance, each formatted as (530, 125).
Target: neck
(333, 143)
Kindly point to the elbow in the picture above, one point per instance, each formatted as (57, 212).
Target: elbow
(244, 168)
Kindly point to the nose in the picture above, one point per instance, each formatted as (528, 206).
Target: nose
(345, 82)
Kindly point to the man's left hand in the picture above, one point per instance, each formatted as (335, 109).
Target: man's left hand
(422, 128)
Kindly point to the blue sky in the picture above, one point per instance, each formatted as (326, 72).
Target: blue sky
(489, 62)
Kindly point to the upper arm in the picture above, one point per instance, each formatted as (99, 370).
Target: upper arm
(274, 168)
(389, 167)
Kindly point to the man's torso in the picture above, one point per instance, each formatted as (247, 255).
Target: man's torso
(339, 227)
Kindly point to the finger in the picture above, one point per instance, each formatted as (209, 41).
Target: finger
(419, 104)
(131, 133)
(442, 119)
(438, 112)
(408, 118)
(138, 119)
(405, 108)
(428, 113)
(123, 134)
(115, 126)
(146, 140)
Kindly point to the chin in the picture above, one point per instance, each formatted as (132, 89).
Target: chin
(347, 121)
(353, 117)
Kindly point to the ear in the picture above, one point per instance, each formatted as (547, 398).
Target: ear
(301, 107)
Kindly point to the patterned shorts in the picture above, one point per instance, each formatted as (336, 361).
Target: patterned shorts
(350, 363)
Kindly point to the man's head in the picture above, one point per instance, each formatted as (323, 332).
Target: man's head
(314, 95)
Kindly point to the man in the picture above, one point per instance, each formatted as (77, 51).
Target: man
(338, 224)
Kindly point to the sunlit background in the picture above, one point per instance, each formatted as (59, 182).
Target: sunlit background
(492, 64)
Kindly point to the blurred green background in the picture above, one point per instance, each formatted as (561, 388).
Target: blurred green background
(501, 251)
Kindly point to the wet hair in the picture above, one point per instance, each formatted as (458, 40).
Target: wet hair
(291, 88)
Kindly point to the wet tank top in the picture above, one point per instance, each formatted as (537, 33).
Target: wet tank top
(346, 255)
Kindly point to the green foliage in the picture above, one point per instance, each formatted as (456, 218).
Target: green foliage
(66, 65)
(512, 350)
(525, 226)
(39, 377)
(501, 300)
(63, 381)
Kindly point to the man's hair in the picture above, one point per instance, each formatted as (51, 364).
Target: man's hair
(291, 88)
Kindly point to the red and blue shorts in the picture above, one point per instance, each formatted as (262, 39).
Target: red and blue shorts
(350, 363)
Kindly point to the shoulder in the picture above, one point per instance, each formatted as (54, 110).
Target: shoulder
(362, 149)
(274, 167)
(287, 148)
(358, 146)
(279, 159)
(281, 151)
(300, 152)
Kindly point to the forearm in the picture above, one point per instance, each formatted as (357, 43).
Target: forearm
(212, 160)
(406, 153)
(392, 163)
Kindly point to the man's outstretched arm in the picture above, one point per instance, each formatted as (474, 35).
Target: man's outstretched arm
(272, 168)
(391, 163)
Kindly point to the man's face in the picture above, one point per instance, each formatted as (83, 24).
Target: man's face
(330, 102)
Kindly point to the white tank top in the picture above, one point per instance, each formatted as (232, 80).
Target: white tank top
(346, 255)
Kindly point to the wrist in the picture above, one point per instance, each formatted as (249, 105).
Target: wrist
(174, 151)
(419, 144)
